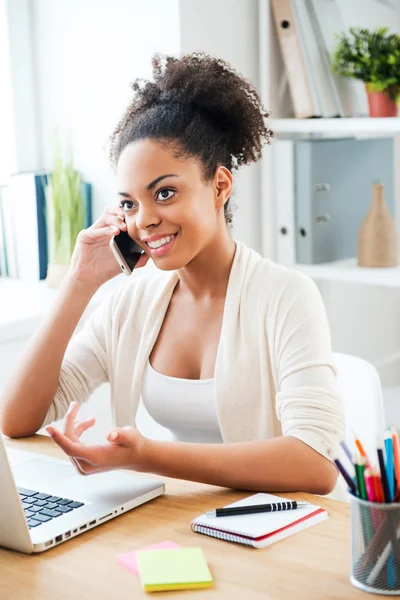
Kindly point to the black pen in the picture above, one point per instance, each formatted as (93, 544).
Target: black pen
(256, 508)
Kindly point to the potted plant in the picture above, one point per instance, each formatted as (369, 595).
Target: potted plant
(374, 58)
(65, 215)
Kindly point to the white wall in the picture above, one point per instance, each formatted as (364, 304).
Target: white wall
(7, 147)
(369, 13)
(86, 54)
(22, 91)
(229, 29)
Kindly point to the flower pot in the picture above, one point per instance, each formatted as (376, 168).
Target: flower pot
(381, 105)
(377, 239)
(55, 274)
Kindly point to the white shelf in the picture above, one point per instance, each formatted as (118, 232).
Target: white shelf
(347, 271)
(348, 126)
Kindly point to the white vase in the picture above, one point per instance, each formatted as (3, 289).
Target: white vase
(55, 274)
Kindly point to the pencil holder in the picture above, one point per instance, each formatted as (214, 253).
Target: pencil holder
(375, 546)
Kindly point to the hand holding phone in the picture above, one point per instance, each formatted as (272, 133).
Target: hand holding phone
(92, 262)
(126, 251)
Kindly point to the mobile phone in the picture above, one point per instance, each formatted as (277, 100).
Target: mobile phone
(126, 251)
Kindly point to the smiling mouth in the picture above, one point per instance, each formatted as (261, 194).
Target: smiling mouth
(161, 242)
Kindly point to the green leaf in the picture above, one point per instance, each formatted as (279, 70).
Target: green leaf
(371, 56)
(64, 206)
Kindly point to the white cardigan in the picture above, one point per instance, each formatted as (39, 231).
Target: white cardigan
(273, 373)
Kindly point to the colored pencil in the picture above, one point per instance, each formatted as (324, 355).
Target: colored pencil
(369, 485)
(359, 466)
(346, 476)
(396, 456)
(359, 445)
(389, 464)
(382, 468)
(379, 496)
(347, 451)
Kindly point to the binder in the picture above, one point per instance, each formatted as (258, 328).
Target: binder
(28, 205)
(307, 44)
(331, 102)
(86, 191)
(352, 93)
(312, 86)
(3, 249)
(283, 157)
(8, 232)
(27, 215)
(304, 104)
(318, 65)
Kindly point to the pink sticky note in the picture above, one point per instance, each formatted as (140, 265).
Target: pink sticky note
(128, 559)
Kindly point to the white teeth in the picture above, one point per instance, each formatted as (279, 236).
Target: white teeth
(160, 242)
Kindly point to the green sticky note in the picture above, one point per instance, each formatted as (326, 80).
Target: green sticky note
(173, 569)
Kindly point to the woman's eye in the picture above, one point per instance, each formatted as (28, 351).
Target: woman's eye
(126, 204)
(165, 194)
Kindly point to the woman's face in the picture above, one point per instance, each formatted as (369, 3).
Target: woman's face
(170, 211)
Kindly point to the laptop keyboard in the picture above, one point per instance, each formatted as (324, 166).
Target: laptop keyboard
(40, 508)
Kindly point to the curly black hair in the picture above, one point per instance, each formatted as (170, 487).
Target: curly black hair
(202, 107)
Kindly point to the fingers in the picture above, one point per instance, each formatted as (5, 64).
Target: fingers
(93, 455)
(74, 449)
(80, 427)
(70, 416)
(87, 459)
(73, 429)
(114, 216)
(114, 210)
(97, 234)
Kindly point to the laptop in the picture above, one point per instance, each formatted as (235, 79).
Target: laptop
(45, 502)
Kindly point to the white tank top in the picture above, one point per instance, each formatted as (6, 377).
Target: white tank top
(184, 406)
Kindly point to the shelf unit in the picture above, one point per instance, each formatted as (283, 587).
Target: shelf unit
(347, 271)
(270, 76)
(340, 126)
(362, 324)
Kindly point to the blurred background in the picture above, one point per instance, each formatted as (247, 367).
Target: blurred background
(65, 73)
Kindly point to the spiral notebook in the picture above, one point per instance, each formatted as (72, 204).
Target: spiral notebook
(260, 529)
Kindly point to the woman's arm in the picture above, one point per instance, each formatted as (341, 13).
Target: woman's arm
(32, 386)
(281, 464)
(38, 376)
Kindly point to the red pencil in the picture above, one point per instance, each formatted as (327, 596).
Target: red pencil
(369, 484)
(378, 486)
(396, 456)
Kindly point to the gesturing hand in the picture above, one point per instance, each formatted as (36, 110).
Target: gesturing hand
(125, 450)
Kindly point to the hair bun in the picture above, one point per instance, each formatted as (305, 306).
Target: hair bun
(228, 100)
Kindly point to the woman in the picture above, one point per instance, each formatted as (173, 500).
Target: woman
(228, 350)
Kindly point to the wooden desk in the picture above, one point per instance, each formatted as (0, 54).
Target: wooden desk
(313, 564)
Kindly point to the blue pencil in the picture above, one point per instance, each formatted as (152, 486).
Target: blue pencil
(389, 463)
(347, 451)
